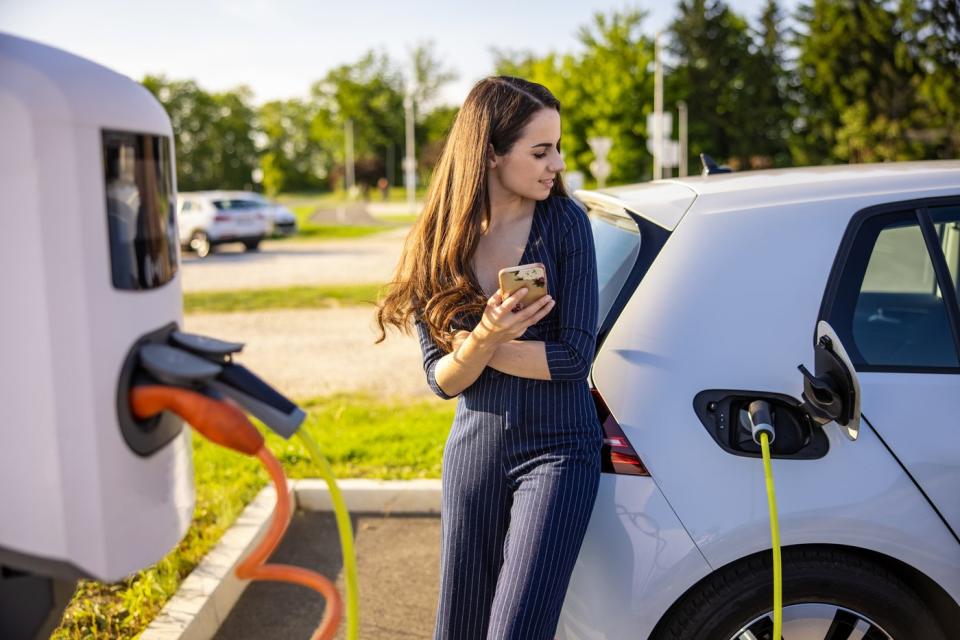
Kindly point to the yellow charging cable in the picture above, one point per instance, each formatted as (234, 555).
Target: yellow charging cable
(774, 536)
(346, 535)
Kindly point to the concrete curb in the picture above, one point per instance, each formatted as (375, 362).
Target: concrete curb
(207, 595)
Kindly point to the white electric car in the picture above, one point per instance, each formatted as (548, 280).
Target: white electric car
(713, 290)
(210, 218)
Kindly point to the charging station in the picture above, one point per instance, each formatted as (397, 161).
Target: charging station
(89, 270)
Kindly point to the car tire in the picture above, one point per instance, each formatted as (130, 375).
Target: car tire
(853, 589)
(200, 244)
(251, 245)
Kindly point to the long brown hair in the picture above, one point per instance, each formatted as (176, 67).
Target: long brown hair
(434, 279)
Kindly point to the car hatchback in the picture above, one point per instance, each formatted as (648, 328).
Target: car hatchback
(207, 219)
(713, 290)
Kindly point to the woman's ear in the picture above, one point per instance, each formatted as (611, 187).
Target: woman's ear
(491, 157)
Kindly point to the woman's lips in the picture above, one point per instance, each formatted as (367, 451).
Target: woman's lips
(547, 183)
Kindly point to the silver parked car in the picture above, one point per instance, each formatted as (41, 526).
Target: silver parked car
(831, 294)
(210, 218)
(280, 220)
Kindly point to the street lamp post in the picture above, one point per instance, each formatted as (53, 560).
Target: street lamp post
(410, 160)
(682, 159)
(349, 176)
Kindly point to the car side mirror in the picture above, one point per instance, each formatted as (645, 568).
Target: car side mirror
(832, 392)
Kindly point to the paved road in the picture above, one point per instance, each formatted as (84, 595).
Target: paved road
(281, 263)
(398, 562)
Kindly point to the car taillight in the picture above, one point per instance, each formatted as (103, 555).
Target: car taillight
(617, 455)
(221, 217)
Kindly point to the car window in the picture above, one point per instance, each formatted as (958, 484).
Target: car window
(235, 203)
(187, 205)
(617, 242)
(947, 223)
(890, 311)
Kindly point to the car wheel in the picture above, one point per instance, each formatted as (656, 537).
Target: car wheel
(826, 595)
(200, 244)
(252, 245)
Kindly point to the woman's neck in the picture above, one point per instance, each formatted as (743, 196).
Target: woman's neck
(507, 207)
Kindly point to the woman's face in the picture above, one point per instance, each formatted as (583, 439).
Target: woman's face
(529, 168)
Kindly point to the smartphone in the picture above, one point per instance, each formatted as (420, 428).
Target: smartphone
(532, 276)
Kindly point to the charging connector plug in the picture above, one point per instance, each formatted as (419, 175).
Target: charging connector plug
(761, 420)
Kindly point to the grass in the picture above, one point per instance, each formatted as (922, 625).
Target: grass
(333, 198)
(309, 230)
(304, 204)
(361, 436)
(294, 297)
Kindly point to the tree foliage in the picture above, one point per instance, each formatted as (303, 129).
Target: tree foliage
(837, 81)
(213, 133)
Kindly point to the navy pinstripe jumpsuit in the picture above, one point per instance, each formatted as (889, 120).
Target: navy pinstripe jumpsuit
(521, 465)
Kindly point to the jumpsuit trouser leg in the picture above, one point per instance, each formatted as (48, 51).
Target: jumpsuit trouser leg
(516, 504)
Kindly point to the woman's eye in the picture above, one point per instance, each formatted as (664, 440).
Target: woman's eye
(539, 155)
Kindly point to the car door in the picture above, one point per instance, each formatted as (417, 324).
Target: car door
(892, 301)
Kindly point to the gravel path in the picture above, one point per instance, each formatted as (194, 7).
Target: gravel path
(311, 352)
(316, 352)
(281, 263)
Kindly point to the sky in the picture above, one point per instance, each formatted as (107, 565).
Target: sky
(279, 48)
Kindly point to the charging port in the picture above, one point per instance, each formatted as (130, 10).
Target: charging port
(725, 414)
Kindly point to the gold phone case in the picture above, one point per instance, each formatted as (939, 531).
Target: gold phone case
(533, 276)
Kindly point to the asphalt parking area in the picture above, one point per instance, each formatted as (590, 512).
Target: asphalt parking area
(398, 562)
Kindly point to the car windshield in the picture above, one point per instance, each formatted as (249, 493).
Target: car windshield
(236, 203)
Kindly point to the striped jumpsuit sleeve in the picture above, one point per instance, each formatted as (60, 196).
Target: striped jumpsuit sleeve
(431, 354)
(569, 358)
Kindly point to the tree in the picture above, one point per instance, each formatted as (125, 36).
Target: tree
(775, 88)
(430, 76)
(292, 159)
(868, 89)
(607, 90)
(730, 82)
(368, 93)
(213, 134)
(932, 34)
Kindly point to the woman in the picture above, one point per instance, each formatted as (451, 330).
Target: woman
(521, 465)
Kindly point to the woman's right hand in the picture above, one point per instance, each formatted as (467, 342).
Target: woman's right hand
(501, 323)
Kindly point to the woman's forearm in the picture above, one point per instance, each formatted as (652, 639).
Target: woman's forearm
(522, 358)
(461, 367)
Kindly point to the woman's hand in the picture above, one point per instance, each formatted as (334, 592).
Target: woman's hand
(503, 321)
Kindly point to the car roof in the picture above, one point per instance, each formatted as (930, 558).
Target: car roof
(665, 201)
(237, 195)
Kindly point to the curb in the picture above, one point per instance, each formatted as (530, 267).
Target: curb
(205, 598)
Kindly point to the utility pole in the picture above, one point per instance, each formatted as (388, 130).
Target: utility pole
(657, 111)
(682, 160)
(390, 162)
(348, 168)
(410, 161)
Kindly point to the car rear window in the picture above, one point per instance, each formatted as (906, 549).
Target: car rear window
(626, 245)
(617, 242)
(236, 204)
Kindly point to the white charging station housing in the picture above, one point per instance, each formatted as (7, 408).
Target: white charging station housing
(89, 265)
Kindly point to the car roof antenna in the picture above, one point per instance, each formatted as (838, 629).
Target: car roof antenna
(710, 166)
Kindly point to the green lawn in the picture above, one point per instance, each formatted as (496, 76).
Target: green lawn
(296, 297)
(361, 436)
(310, 231)
(304, 204)
(333, 198)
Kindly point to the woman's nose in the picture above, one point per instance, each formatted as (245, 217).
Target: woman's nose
(558, 165)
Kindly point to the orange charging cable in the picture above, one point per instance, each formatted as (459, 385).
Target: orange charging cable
(227, 426)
